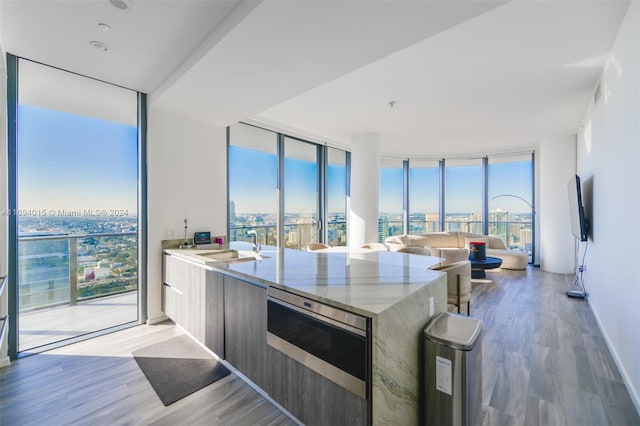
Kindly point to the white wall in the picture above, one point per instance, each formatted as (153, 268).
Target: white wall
(609, 165)
(557, 166)
(187, 173)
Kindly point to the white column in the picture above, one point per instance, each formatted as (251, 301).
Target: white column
(557, 166)
(365, 180)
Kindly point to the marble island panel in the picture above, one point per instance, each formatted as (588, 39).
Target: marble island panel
(364, 283)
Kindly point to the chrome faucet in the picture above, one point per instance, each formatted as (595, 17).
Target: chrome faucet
(256, 246)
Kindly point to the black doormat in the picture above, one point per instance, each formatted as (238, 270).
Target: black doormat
(178, 367)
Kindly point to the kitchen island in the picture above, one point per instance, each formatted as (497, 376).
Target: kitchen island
(395, 294)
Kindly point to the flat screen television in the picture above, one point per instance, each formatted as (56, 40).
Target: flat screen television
(579, 224)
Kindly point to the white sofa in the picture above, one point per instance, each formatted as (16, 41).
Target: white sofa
(448, 245)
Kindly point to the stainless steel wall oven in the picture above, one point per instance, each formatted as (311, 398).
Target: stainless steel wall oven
(332, 342)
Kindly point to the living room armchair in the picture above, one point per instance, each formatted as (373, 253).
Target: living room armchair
(458, 283)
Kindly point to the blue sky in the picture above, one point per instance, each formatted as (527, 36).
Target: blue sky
(463, 188)
(513, 178)
(253, 182)
(252, 185)
(67, 161)
(300, 186)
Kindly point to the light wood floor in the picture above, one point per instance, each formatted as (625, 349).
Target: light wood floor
(544, 363)
(97, 382)
(43, 326)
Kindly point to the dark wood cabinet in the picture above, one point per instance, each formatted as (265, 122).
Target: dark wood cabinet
(309, 396)
(213, 310)
(245, 321)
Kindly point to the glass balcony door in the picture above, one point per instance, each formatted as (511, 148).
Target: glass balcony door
(253, 184)
(391, 199)
(424, 193)
(337, 178)
(463, 196)
(511, 213)
(77, 206)
(301, 193)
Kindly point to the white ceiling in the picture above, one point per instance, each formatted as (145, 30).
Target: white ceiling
(284, 48)
(499, 82)
(468, 76)
(146, 43)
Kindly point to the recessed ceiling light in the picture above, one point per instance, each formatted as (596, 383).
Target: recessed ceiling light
(98, 45)
(104, 27)
(122, 4)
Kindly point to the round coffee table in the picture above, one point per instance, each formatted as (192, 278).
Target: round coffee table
(478, 266)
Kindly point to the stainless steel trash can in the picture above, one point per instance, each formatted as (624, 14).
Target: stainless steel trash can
(453, 370)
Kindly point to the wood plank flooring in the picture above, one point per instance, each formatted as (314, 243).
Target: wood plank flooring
(545, 362)
(97, 382)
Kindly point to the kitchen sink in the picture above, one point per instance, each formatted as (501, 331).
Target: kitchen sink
(220, 255)
(244, 259)
(231, 257)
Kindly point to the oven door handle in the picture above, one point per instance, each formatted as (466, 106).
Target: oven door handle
(318, 317)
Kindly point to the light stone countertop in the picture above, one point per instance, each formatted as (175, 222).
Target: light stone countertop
(364, 282)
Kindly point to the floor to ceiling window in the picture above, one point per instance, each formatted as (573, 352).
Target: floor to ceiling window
(424, 196)
(391, 199)
(463, 189)
(511, 213)
(282, 188)
(337, 178)
(480, 195)
(77, 205)
(253, 184)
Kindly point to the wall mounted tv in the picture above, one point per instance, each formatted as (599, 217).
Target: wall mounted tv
(579, 224)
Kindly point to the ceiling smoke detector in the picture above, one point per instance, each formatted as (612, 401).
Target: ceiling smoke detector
(98, 45)
(122, 4)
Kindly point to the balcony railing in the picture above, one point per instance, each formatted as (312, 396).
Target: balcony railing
(517, 235)
(423, 226)
(297, 236)
(66, 269)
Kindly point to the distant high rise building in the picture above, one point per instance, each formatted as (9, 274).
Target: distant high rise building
(383, 228)
(498, 223)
